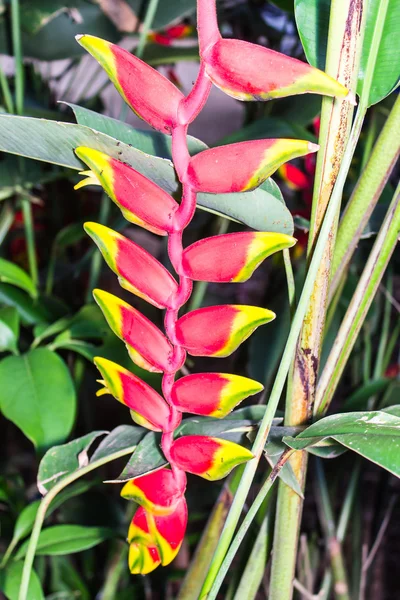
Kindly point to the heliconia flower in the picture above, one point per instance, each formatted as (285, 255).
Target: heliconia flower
(147, 346)
(248, 71)
(246, 165)
(208, 457)
(150, 95)
(158, 492)
(219, 330)
(212, 394)
(147, 407)
(140, 200)
(138, 271)
(231, 257)
(165, 532)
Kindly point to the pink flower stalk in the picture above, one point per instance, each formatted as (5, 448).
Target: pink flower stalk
(246, 72)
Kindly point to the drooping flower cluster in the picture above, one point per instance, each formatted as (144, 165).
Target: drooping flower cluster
(246, 72)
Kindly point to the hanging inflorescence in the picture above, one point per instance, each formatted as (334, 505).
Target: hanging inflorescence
(246, 72)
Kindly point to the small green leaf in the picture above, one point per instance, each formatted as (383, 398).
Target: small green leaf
(66, 539)
(38, 395)
(14, 275)
(147, 457)
(25, 520)
(10, 582)
(121, 437)
(9, 329)
(60, 461)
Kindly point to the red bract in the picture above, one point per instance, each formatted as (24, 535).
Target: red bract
(246, 165)
(140, 200)
(212, 394)
(138, 271)
(205, 260)
(244, 71)
(153, 97)
(219, 330)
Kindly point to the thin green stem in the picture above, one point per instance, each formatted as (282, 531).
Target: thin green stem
(358, 309)
(254, 508)
(384, 331)
(290, 280)
(44, 505)
(146, 26)
(17, 49)
(5, 90)
(115, 572)
(287, 356)
(30, 237)
(6, 220)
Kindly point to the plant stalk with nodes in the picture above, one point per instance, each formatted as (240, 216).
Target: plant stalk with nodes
(246, 72)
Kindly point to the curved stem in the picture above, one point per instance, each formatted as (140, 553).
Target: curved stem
(44, 505)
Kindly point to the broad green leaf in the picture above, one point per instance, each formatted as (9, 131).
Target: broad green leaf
(54, 142)
(60, 461)
(14, 275)
(121, 437)
(373, 434)
(366, 423)
(67, 539)
(167, 12)
(151, 142)
(9, 329)
(387, 69)
(312, 18)
(10, 582)
(35, 15)
(38, 395)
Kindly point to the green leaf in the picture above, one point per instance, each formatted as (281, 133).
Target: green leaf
(66, 539)
(146, 458)
(26, 518)
(54, 142)
(121, 437)
(374, 434)
(151, 142)
(38, 395)
(14, 275)
(312, 18)
(387, 68)
(30, 312)
(273, 451)
(10, 582)
(9, 329)
(60, 461)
